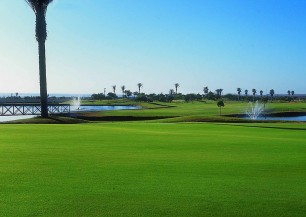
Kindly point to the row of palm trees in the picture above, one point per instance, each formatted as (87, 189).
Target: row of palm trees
(140, 85)
(123, 89)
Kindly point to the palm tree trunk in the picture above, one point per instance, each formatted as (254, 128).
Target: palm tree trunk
(43, 79)
(41, 35)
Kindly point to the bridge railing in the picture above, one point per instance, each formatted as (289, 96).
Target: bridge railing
(31, 109)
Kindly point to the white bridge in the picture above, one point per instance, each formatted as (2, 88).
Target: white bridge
(32, 109)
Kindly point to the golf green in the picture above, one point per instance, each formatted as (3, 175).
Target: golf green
(153, 169)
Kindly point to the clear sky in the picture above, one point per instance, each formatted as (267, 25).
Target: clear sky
(94, 44)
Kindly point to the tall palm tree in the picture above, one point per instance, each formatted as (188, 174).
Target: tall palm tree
(171, 92)
(176, 85)
(140, 85)
(261, 92)
(205, 90)
(219, 92)
(239, 92)
(289, 92)
(40, 9)
(272, 93)
(254, 93)
(114, 89)
(123, 90)
(246, 92)
(292, 92)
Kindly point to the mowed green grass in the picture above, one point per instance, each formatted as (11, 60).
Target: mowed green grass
(202, 109)
(153, 169)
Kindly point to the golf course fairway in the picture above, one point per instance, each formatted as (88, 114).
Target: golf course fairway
(153, 169)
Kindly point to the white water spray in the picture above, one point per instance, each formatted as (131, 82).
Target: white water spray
(254, 110)
(76, 103)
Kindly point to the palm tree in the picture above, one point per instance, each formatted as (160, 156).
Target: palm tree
(246, 92)
(254, 93)
(271, 93)
(219, 92)
(261, 92)
(40, 9)
(239, 92)
(140, 85)
(114, 89)
(171, 92)
(220, 104)
(176, 85)
(123, 90)
(292, 92)
(289, 92)
(205, 90)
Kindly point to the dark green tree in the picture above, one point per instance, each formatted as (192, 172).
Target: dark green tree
(176, 85)
(272, 93)
(219, 93)
(254, 93)
(220, 104)
(239, 92)
(171, 92)
(123, 90)
(40, 9)
(139, 85)
(114, 89)
(261, 92)
(205, 90)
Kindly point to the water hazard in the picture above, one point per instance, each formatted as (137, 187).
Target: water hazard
(102, 108)
(81, 108)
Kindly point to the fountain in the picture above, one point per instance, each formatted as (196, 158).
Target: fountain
(77, 103)
(254, 110)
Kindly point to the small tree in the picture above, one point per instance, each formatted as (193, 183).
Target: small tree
(139, 85)
(260, 92)
(114, 89)
(219, 92)
(205, 90)
(123, 90)
(171, 92)
(128, 93)
(176, 85)
(272, 93)
(289, 92)
(254, 93)
(220, 104)
(239, 92)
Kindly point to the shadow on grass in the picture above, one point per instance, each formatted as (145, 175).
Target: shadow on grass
(120, 118)
(266, 127)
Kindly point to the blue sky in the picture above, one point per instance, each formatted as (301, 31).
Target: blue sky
(94, 44)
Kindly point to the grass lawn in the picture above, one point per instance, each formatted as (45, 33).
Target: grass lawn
(153, 169)
(180, 111)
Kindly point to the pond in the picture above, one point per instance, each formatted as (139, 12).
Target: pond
(294, 118)
(82, 108)
(16, 117)
(103, 108)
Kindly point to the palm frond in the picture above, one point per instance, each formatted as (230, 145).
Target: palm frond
(35, 4)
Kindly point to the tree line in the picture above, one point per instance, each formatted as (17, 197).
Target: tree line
(173, 94)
